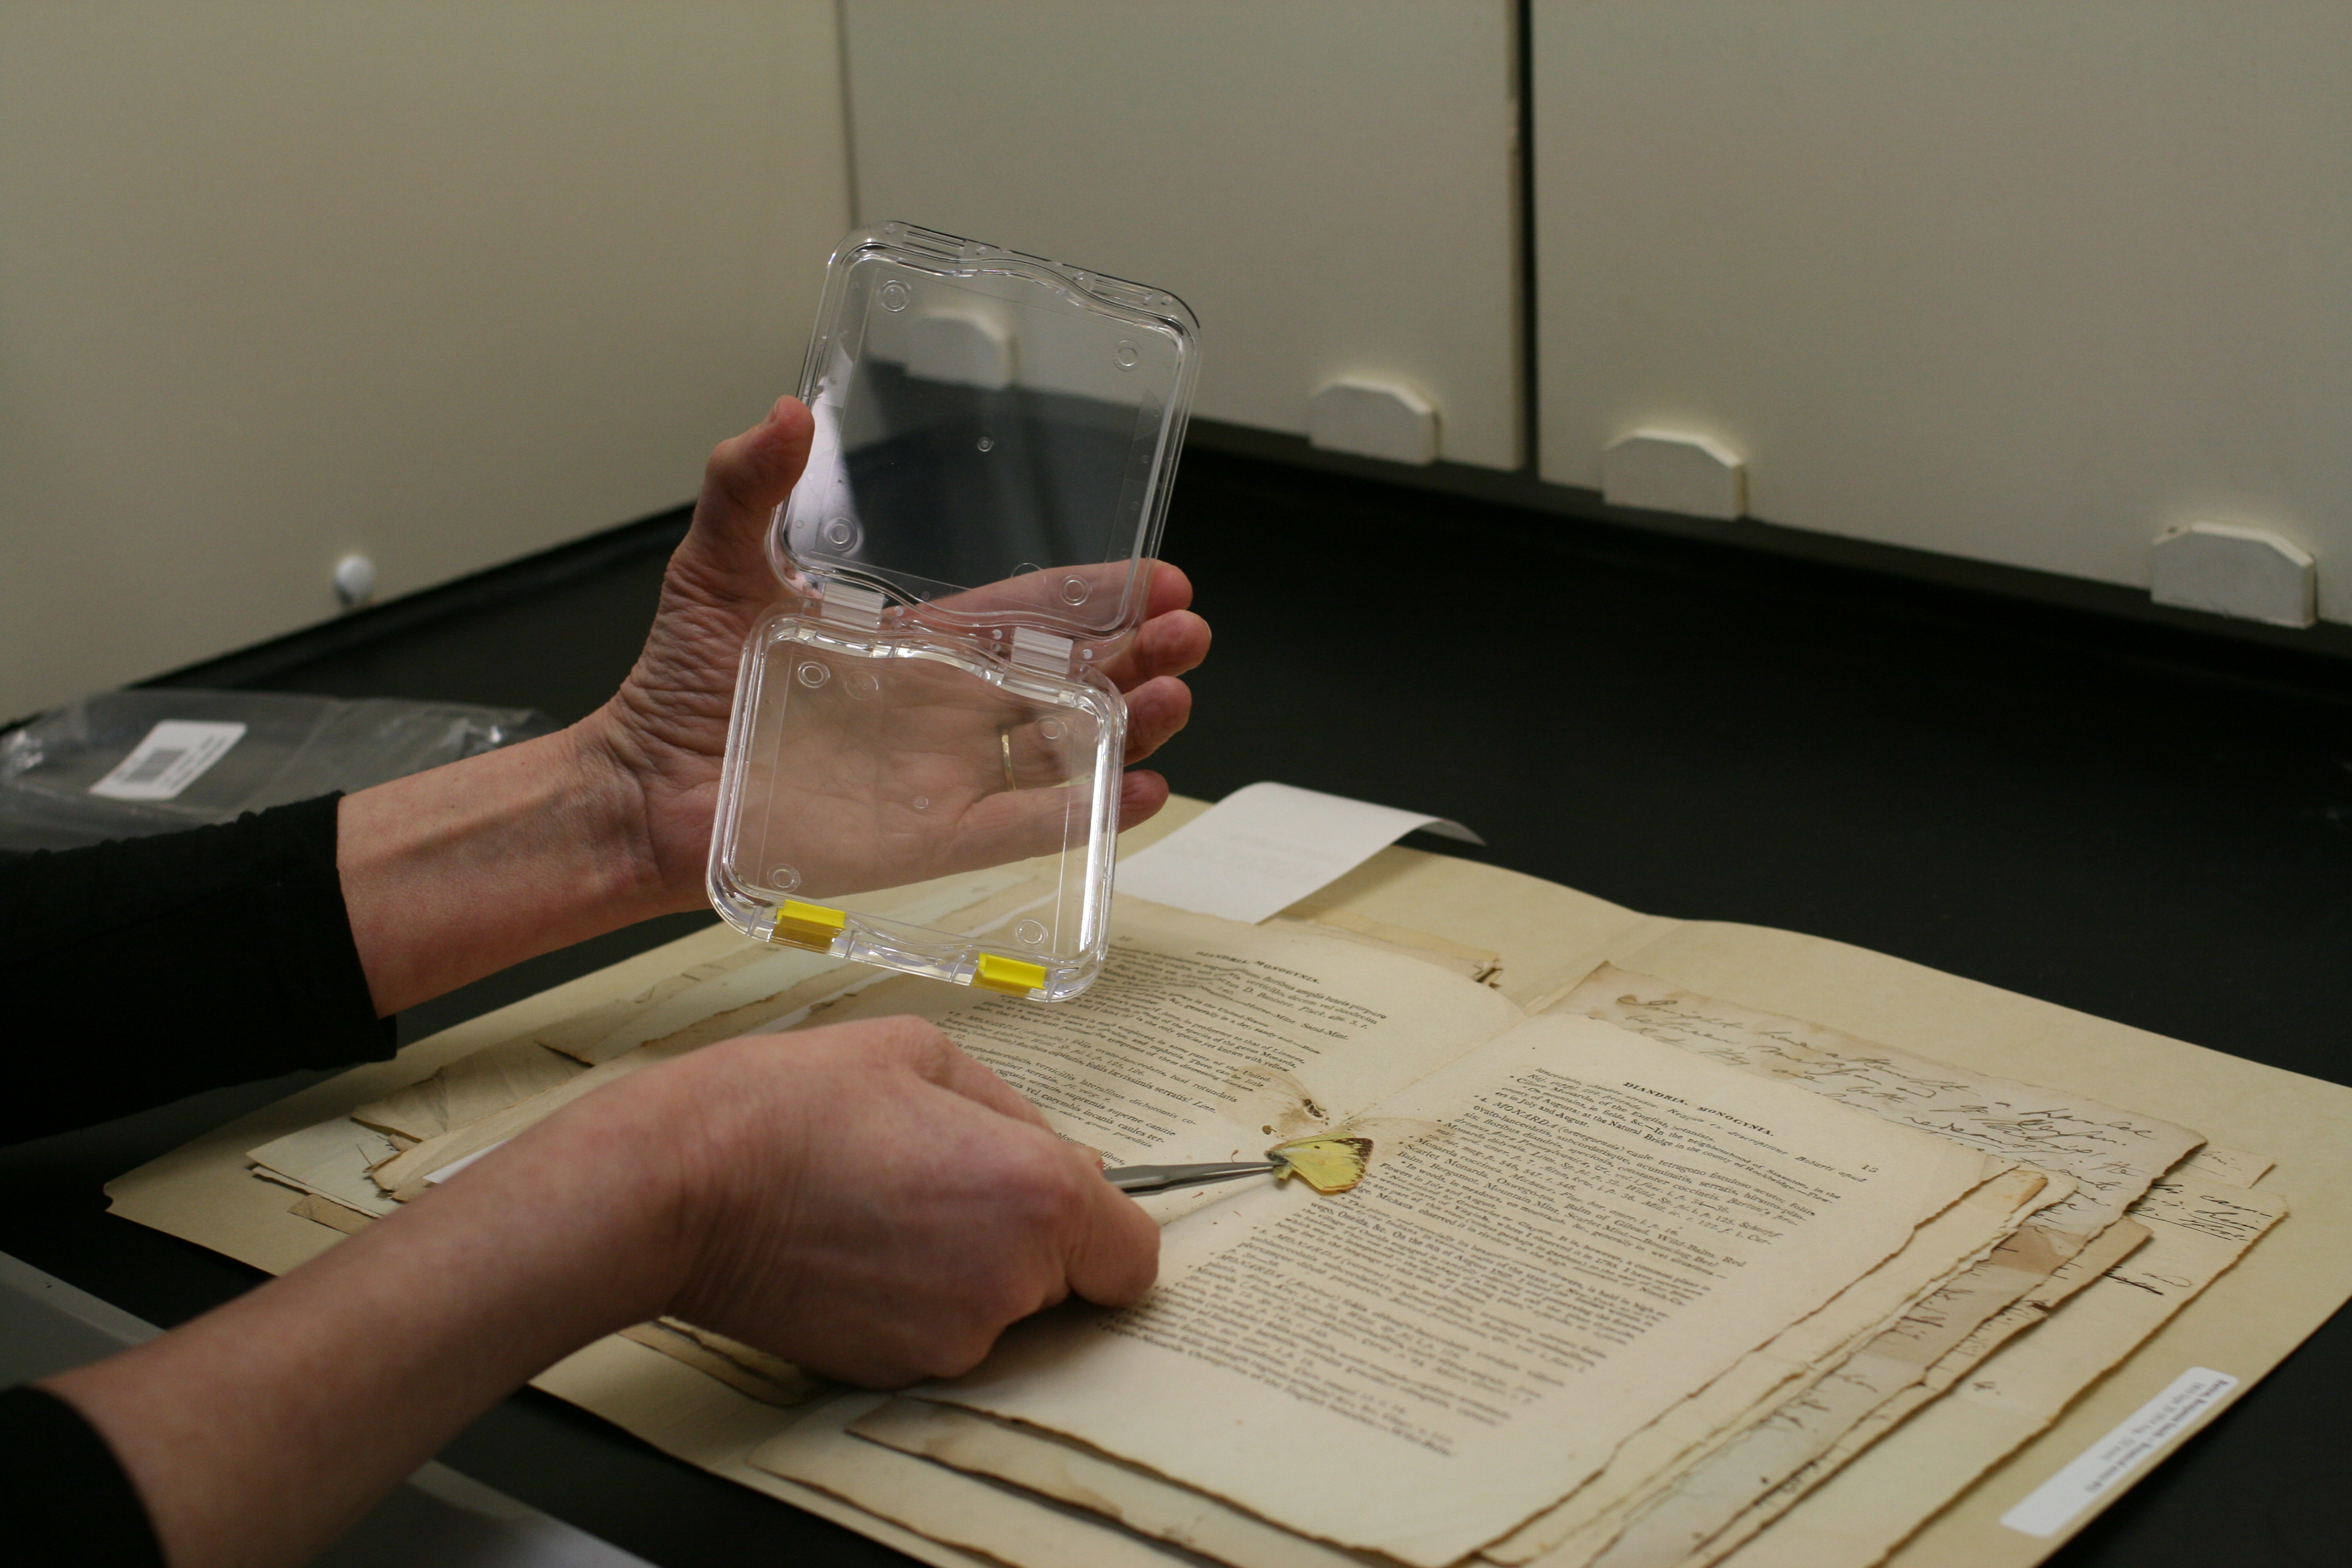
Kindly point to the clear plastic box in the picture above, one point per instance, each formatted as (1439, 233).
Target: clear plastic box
(996, 437)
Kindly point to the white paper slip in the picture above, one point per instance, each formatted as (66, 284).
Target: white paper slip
(2109, 1462)
(434, 1178)
(174, 755)
(1266, 846)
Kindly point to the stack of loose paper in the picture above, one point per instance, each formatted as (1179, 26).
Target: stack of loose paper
(1638, 1278)
(1632, 1306)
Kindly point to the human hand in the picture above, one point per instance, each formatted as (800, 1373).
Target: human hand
(460, 870)
(865, 1199)
(661, 739)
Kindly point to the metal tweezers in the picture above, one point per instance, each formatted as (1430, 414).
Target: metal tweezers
(1161, 1178)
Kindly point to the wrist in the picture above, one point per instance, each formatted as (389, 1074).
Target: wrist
(589, 1210)
(450, 874)
(621, 774)
(611, 1178)
(612, 808)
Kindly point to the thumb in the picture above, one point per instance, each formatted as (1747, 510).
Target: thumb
(1114, 1254)
(751, 475)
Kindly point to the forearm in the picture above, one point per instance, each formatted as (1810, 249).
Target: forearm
(455, 873)
(258, 1432)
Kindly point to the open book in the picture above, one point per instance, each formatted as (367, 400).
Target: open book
(1635, 1269)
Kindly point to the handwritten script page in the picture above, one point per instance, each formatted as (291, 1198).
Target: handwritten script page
(2113, 1153)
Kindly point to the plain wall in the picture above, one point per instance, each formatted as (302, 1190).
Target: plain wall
(2017, 281)
(1329, 184)
(446, 283)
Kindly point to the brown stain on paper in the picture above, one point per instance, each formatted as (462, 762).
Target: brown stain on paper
(1277, 1105)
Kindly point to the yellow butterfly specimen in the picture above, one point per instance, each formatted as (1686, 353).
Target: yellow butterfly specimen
(1327, 1164)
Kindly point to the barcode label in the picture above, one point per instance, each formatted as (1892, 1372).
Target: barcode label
(153, 765)
(174, 755)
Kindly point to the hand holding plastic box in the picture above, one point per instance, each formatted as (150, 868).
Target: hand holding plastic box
(996, 437)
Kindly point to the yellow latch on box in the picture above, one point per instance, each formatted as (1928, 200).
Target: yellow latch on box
(1009, 975)
(812, 926)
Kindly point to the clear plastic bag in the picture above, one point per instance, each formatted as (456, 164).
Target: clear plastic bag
(124, 764)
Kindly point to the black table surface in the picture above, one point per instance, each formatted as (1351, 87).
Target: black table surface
(2150, 824)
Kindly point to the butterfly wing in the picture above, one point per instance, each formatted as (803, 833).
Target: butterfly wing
(1327, 1164)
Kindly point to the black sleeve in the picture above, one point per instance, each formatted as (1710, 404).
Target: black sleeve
(141, 969)
(64, 1497)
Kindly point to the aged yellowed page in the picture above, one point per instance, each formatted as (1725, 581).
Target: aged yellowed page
(331, 1159)
(1866, 1508)
(1787, 1372)
(2244, 1324)
(1719, 1503)
(404, 1173)
(2113, 1153)
(2111, 1246)
(1729, 1480)
(1055, 1470)
(1202, 1041)
(1143, 1502)
(704, 1422)
(2236, 1167)
(1729, 1484)
(2115, 1244)
(945, 1505)
(468, 1090)
(1207, 1041)
(769, 1379)
(754, 983)
(1416, 1368)
(1482, 965)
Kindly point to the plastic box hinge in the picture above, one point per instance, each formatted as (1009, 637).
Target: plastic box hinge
(852, 604)
(916, 237)
(1033, 649)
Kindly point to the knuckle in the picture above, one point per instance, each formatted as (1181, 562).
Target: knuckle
(1042, 1190)
(920, 1032)
(905, 1034)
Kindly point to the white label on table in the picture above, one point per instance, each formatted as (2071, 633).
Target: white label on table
(1266, 846)
(2106, 1463)
(174, 755)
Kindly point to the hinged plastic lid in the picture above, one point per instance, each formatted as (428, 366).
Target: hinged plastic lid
(995, 438)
